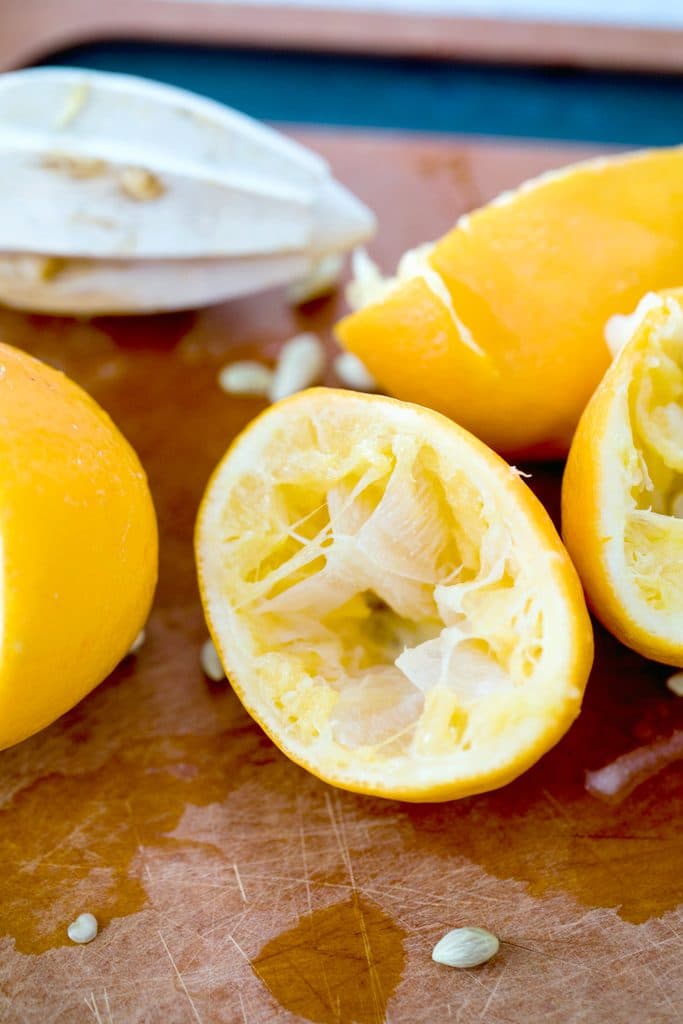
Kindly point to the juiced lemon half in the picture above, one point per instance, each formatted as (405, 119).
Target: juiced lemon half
(389, 599)
(622, 494)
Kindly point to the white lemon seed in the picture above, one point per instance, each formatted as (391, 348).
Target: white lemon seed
(83, 929)
(137, 643)
(465, 947)
(245, 378)
(210, 662)
(300, 364)
(353, 372)
(675, 683)
(367, 284)
(323, 279)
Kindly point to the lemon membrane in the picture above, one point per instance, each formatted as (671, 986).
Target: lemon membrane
(646, 476)
(390, 600)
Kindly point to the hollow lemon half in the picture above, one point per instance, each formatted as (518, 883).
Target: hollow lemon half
(78, 545)
(390, 601)
(622, 493)
(499, 324)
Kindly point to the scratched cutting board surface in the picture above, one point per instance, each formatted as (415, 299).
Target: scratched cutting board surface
(230, 885)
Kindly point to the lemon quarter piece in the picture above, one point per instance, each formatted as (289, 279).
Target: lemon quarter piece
(622, 494)
(499, 324)
(390, 601)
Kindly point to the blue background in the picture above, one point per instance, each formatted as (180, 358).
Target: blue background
(411, 94)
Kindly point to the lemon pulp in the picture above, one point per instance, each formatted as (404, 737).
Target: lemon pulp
(653, 535)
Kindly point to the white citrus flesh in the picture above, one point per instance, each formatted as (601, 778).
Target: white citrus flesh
(390, 601)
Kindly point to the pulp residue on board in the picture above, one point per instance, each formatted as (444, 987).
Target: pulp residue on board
(616, 780)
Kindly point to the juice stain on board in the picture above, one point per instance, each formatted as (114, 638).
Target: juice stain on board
(68, 841)
(341, 963)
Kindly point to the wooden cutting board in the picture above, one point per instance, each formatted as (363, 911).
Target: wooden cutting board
(230, 885)
(32, 29)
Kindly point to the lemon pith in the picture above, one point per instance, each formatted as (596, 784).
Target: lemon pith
(390, 601)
